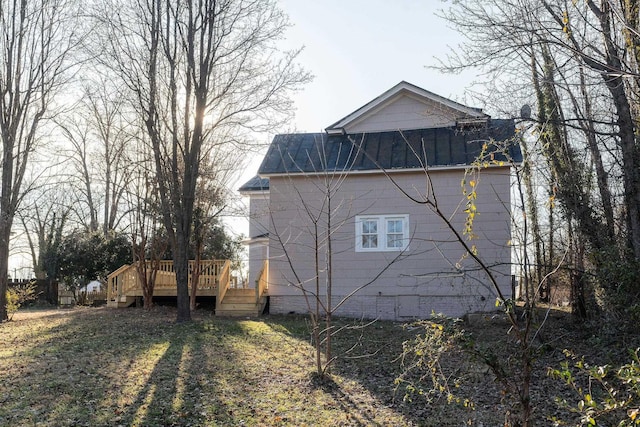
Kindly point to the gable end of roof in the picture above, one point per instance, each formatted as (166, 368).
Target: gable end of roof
(405, 89)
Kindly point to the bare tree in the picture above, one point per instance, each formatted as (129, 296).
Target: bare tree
(44, 220)
(35, 44)
(147, 241)
(308, 244)
(113, 132)
(198, 72)
(77, 133)
(515, 370)
(148, 246)
(98, 133)
(578, 61)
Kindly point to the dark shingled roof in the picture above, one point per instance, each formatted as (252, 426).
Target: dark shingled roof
(255, 184)
(295, 153)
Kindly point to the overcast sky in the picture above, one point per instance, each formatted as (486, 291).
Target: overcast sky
(357, 49)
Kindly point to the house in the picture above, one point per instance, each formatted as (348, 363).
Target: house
(92, 286)
(354, 206)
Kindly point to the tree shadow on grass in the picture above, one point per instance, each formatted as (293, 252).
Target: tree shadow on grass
(361, 380)
(173, 393)
(107, 367)
(362, 377)
(103, 367)
(359, 416)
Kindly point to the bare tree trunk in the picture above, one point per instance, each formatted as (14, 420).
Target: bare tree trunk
(5, 231)
(150, 282)
(145, 283)
(181, 265)
(10, 186)
(576, 276)
(601, 174)
(533, 217)
(551, 259)
(147, 273)
(52, 291)
(315, 317)
(329, 273)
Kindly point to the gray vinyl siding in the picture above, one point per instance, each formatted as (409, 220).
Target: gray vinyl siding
(258, 252)
(425, 279)
(258, 214)
(406, 112)
(258, 226)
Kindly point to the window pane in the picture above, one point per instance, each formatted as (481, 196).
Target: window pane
(394, 226)
(369, 227)
(394, 240)
(395, 233)
(369, 241)
(381, 233)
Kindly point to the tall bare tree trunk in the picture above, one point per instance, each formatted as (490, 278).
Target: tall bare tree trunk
(7, 212)
(5, 231)
(181, 265)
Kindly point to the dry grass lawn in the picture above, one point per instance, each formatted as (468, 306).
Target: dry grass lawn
(129, 367)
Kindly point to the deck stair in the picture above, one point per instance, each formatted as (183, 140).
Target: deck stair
(241, 303)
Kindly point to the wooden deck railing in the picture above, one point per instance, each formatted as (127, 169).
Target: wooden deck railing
(91, 297)
(262, 282)
(125, 279)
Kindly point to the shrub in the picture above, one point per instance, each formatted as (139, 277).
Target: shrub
(19, 294)
(423, 372)
(606, 395)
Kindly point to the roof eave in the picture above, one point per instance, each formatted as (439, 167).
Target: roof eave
(254, 192)
(434, 168)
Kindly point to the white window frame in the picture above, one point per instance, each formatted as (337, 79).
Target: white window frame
(382, 232)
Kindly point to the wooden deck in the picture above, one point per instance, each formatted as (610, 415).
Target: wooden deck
(124, 288)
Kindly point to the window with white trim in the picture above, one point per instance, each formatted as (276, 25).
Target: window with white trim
(380, 233)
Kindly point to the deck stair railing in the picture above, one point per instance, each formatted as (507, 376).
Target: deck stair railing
(262, 282)
(224, 281)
